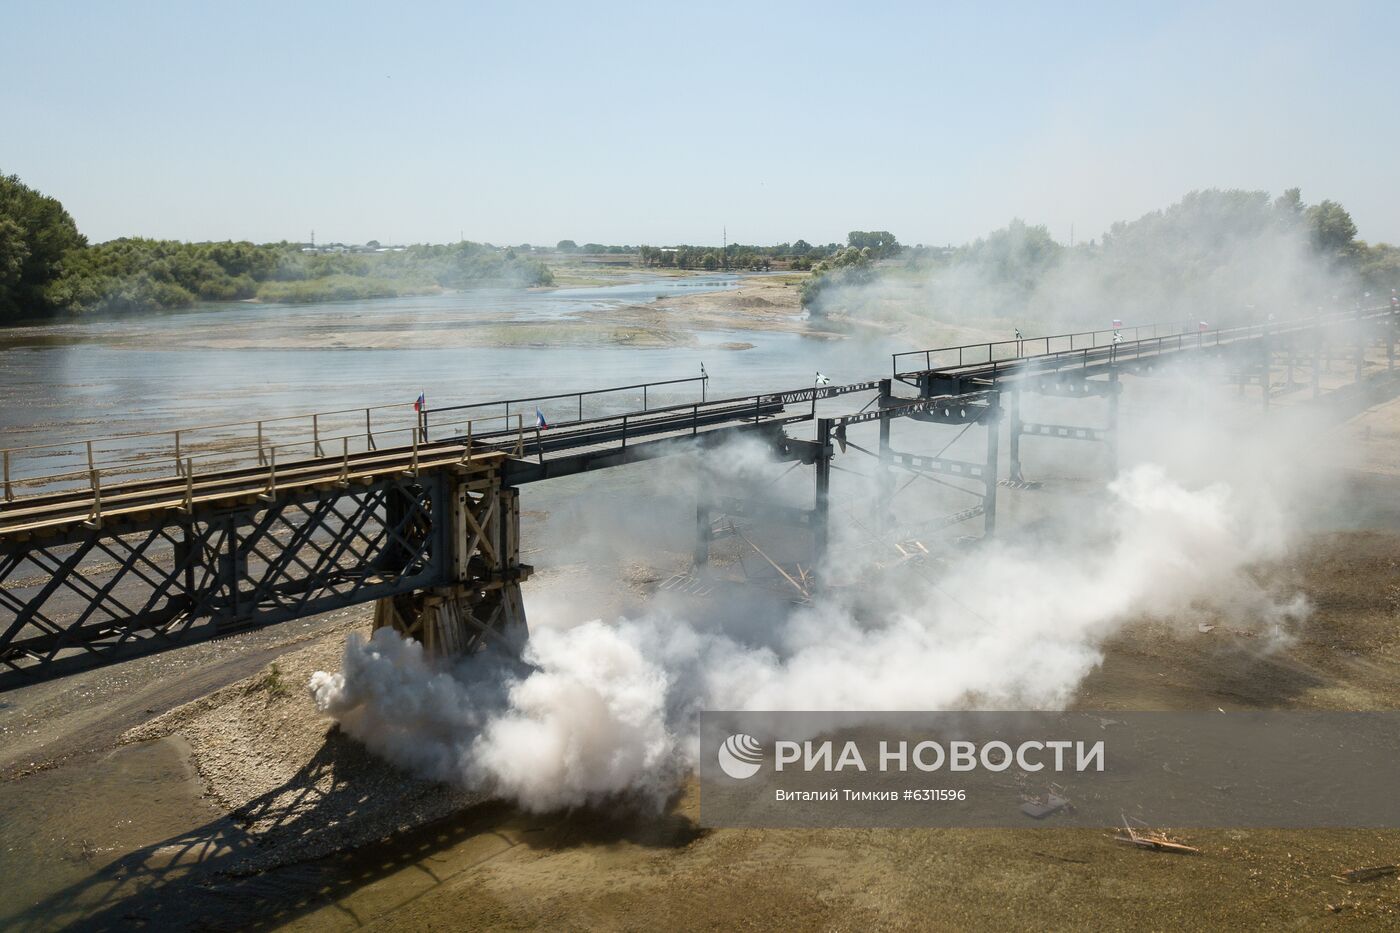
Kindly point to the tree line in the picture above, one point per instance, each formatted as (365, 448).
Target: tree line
(47, 267)
(798, 255)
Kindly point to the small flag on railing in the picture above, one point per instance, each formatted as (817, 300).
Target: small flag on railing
(703, 374)
(421, 402)
(822, 380)
(539, 419)
(1203, 327)
(1117, 323)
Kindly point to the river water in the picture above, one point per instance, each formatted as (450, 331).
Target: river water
(237, 361)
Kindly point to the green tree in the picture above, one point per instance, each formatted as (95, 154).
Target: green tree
(1289, 207)
(1379, 267)
(565, 246)
(36, 234)
(1331, 228)
(881, 243)
(13, 252)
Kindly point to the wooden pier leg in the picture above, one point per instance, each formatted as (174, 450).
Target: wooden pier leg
(822, 501)
(1111, 436)
(702, 530)
(1015, 474)
(1317, 368)
(990, 471)
(1266, 376)
(885, 481)
(482, 606)
(884, 473)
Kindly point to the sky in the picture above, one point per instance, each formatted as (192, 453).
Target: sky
(659, 123)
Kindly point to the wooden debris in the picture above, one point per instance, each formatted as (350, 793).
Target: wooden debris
(686, 583)
(1367, 874)
(1152, 840)
(1040, 807)
(803, 591)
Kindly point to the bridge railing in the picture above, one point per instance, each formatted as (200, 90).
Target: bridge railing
(92, 463)
(975, 354)
(1120, 341)
(566, 407)
(136, 455)
(199, 451)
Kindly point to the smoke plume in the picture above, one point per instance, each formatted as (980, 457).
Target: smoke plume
(607, 710)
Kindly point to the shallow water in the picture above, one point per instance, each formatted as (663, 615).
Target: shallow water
(97, 377)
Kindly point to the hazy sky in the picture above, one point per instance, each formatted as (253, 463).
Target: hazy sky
(661, 123)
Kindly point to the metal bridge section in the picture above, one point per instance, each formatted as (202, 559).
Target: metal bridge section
(1087, 364)
(428, 530)
(116, 547)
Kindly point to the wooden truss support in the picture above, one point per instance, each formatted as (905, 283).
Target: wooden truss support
(482, 606)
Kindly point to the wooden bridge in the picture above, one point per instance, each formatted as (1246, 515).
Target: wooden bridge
(116, 547)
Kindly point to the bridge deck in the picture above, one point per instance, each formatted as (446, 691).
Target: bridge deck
(1092, 351)
(538, 454)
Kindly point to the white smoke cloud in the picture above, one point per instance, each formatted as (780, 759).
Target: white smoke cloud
(607, 711)
(1228, 257)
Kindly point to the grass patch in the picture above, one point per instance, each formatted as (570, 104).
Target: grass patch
(272, 682)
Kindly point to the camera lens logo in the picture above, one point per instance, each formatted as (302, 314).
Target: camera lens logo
(740, 756)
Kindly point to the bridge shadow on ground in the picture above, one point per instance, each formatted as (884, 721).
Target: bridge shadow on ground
(208, 878)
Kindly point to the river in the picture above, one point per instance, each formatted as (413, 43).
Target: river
(236, 361)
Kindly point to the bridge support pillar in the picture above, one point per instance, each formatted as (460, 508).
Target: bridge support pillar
(1317, 368)
(885, 480)
(702, 531)
(1015, 438)
(482, 605)
(821, 505)
(1111, 435)
(992, 469)
(1266, 376)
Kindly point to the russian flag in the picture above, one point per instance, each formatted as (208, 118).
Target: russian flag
(539, 419)
(421, 402)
